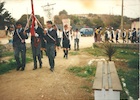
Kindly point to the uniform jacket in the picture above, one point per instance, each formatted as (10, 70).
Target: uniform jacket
(16, 39)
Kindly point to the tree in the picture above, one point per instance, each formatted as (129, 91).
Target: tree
(90, 15)
(23, 19)
(88, 22)
(57, 20)
(5, 17)
(63, 12)
(98, 22)
(74, 19)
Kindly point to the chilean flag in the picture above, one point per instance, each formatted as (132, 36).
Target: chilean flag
(33, 20)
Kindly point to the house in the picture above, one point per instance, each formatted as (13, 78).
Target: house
(135, 23)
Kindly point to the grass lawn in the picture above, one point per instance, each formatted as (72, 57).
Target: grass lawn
(74, 53)
(127, 63)
(87, 72)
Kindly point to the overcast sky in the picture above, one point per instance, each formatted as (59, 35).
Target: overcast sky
(20, 7)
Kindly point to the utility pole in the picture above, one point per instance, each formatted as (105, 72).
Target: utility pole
(122, 24)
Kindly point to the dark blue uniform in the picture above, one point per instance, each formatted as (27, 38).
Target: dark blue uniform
(66, 40)
(36, 46)
(66, 43)
(19, 47)
(50, 46)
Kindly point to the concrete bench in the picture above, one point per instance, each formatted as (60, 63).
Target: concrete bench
(106, 84)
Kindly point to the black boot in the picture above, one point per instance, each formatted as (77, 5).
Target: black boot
(64, 53)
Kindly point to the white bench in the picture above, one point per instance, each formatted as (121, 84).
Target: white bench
(106, 84)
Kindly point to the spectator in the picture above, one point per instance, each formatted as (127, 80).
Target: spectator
(77, 36)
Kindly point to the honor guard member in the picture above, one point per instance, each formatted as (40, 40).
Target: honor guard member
(77, 36)
(112, 35)
(117, 35)
(19, 46)
(106, 35)
(36, 45)
(50, 36)
(66, 41)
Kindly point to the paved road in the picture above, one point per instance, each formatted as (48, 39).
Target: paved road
(84, 41)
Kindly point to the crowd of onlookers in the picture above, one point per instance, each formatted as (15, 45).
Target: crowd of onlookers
(116, 36)
(107, 34)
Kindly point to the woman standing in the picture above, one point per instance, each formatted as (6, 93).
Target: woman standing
(66, 41)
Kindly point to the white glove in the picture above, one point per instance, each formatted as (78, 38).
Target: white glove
(36, 35)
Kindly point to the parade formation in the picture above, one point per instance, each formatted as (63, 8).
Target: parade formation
(50, 38)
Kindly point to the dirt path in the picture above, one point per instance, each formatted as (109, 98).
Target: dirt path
(42, 84)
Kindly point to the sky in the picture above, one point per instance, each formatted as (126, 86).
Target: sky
(19, 7)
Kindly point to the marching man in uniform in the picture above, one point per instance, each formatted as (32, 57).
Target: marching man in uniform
(36, 45)
(19, 46)
(50, 36)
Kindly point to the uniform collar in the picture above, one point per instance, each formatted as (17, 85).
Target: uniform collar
(66, 30)
(50, 29)
(19, 30)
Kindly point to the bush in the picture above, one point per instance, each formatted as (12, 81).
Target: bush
(109, 50)
(133, 63)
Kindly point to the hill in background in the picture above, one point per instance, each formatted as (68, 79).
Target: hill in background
(93, 20)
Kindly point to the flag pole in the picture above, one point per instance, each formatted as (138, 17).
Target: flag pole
(33, 20)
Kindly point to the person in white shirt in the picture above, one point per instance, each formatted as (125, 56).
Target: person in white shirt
(124, 36)
(59, 34)
(129, 35)
(77, 36)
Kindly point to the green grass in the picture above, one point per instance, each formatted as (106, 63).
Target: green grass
(133, 63)
(132, 83)
(7, 53)
(84, 71)
(126, 54)
(6, 67)
(87, 72)
(130, 73)
(94, 51)
(121, 53)
(74, 53)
